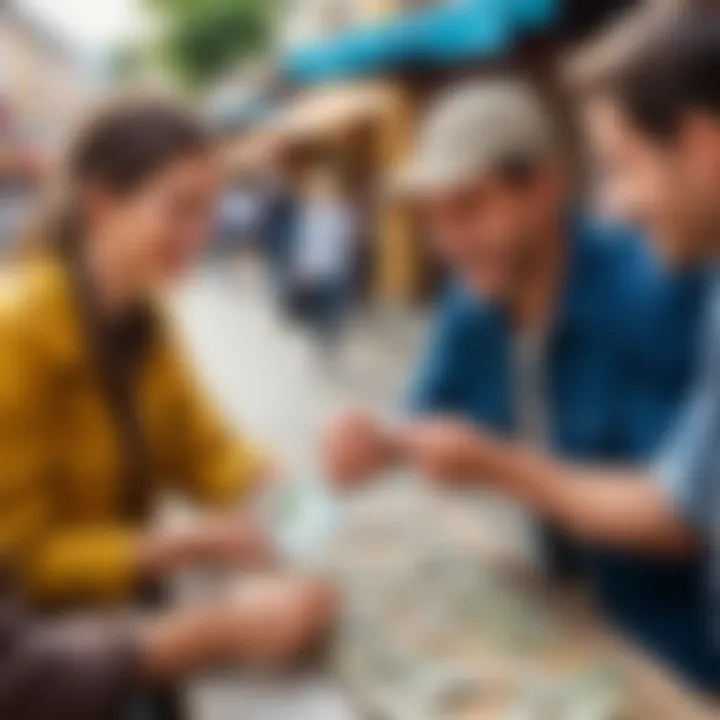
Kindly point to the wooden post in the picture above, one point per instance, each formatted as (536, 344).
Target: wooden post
(397, 264)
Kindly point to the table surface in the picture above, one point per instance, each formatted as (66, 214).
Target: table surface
(320, 696)
(309, 697)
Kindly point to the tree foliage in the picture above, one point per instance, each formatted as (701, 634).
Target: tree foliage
(205, 37)
(127, 62)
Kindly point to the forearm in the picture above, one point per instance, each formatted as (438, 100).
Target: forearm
(624, 509)
(266, 625)
(180, 642)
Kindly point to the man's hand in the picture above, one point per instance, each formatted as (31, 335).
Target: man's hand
(355, 448)
(448, 451)
(625, 510)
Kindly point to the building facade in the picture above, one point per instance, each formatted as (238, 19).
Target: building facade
(43, 85)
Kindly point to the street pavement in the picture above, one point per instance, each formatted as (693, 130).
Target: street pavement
(267, 378)
(15, 208)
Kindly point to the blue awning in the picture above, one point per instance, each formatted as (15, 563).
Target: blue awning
(454, 32)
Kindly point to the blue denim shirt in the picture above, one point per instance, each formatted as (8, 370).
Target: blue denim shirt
(688, 466)
(620, 359)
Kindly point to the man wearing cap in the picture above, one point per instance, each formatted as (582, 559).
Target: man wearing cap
(559, 331)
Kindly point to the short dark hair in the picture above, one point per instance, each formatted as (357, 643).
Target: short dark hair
(672, 70)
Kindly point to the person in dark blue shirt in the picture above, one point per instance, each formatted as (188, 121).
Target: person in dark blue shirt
(560, 331)
(278, 230)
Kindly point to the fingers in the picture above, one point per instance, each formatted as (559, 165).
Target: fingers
(410, 439)
(270, 624)
(424, 440)
(242, 542)
(233, 540)
(251, 546)
(281, 619)
(442, 449)
(354, 448)
(318, 607)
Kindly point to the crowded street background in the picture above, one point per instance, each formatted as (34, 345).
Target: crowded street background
(446, 269)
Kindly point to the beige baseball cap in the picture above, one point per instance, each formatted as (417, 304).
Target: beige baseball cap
(471, 130)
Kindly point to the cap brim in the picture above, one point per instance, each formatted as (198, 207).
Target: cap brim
(421, 179)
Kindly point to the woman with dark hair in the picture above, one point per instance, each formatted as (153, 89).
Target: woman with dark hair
(100, 413)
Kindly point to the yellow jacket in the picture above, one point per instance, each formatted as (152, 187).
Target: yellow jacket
(61, 524)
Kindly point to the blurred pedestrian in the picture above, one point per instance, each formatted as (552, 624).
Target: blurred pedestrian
(278, 232)
(560, 332)
(323, 260)
(100, 410)
(239, 216)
